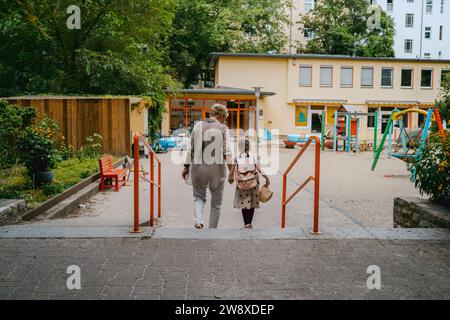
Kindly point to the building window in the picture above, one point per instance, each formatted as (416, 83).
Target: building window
(371, 117)
(390, 6)
(346, 77)
(326, 76)
(367, 77)
(308, 33)
(429, 6)
(407, 78)
(386, 77)
(309, 5)
(427, 55)
(427, 32)
(445, 77)
(442, 6)
(409, 20)
(426, 78)
(408, 45)
(441, 30)
(410, 1)
(305, 76)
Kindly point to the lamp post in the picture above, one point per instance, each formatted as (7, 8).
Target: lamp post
(257, 95)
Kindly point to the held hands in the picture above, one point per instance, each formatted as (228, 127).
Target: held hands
(230, 179)
(267, 182)
(185, 173)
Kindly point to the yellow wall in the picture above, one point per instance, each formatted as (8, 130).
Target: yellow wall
(137, 117)
(281, 75)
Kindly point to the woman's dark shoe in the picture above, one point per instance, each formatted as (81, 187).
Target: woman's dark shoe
(198, 226)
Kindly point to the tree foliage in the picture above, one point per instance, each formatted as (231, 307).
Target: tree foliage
(341, 27)
(205, 26)
(120, 48)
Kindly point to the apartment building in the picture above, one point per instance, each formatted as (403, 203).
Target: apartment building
(298, 88)
(422, 26)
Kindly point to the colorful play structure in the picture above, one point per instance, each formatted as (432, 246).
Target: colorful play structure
(346, 129)
(411, 147)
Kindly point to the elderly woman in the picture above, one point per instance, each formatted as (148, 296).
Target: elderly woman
(208, 159)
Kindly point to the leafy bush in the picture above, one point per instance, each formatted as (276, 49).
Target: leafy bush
(13, 121)
(92, 148)
(37, 147)
(432, 168)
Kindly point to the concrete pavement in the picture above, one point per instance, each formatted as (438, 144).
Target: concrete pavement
(224, 269)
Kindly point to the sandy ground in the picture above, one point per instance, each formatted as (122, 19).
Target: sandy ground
(351, 195)
(348, 183)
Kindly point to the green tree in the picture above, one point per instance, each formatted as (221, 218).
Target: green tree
(119, 49)
(341, 27)
(205, 26)
(443, 102)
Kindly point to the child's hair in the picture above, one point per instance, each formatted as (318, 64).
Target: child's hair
(244, 146)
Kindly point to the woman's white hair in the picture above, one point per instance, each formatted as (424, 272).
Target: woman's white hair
(219, 110)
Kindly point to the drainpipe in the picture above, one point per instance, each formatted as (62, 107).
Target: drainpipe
(421, 29)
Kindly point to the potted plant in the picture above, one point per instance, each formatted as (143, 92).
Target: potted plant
(432, 169)
(38, 153)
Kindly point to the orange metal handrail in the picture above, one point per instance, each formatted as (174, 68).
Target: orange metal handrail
(316, 180)
(137, 137)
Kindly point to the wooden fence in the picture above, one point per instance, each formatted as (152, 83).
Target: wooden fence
(81, 117)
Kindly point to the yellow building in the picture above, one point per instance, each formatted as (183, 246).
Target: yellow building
(298, 88)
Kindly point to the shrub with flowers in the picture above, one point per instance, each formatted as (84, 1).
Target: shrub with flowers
(432, 169)
(37, 147)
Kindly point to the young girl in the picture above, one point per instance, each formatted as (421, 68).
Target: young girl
(247, 192)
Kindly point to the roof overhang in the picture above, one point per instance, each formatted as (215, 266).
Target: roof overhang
(215, 55)
(221, 90)
(319, 102)
(391, 103)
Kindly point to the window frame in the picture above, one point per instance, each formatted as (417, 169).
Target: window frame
(300, 76)
(412, 78)
(421, 76)
(330, 67)
(373, 73)
(428, 6)
(411, 15)
(392, 78)
(412, 46)
(353, 76)
(429, 32)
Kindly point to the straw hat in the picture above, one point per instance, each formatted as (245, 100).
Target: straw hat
(265, 194)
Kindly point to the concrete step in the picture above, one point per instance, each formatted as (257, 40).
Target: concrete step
(36, 231)
(11, 209)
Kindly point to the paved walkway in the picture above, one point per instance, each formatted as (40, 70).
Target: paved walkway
(224, 269)
(116, 209)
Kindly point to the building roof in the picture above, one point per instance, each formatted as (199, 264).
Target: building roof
(215, 55)
(219, 90)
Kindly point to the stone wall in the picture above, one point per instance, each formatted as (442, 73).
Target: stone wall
(412, 212)
(10, 210)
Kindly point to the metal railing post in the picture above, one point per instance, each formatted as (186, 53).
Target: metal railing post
(316, 179)
(159, 189)
(283, 208)
(316, 190)
(136, 228)
(152, 188)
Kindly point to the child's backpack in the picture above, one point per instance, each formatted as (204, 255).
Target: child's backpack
(246, 173)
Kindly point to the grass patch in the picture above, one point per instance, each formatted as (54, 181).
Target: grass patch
(15, 183)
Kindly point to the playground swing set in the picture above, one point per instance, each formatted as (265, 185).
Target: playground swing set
(411, 147)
